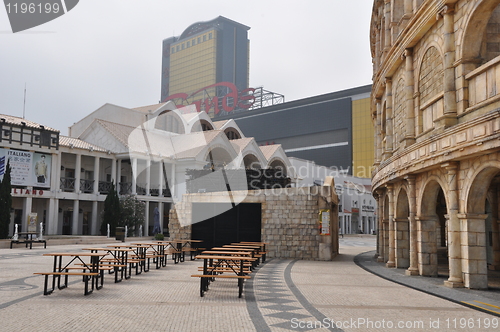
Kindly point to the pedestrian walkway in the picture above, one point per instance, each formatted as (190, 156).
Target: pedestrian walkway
(282, 295)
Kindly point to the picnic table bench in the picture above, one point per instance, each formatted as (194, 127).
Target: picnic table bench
(214, 265)
(28, 240)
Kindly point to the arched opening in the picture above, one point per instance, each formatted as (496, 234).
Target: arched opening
(202, 125)
(431, 226)
(402, 229)
(280, 165)
(169, 121)
(482, 224)
(480, 39)
(251, 162)
(218, 158)
(232, 134)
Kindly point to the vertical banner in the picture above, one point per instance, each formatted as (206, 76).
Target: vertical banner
(32, 221)
(324, 222)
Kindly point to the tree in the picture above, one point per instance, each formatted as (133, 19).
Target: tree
(111, 214)
(133, 213)
(5, 202)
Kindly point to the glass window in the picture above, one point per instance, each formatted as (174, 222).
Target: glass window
(188, 44)
(210, 35)
(177, 48)
(205, 38)
(199, 40)
(183, 46)
(173, 49)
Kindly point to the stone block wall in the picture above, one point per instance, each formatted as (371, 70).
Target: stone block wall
(290, 221)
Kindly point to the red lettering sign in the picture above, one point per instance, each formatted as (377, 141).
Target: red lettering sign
(230, 101)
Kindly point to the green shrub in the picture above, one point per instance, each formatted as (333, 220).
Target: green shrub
(159, 237)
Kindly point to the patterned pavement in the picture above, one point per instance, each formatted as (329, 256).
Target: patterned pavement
(282, 295)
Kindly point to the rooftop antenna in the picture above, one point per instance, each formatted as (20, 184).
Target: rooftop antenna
(24, 105)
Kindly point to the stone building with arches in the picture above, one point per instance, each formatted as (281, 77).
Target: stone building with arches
(436, 111)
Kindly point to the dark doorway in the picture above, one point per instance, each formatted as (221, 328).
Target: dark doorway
(241, 223)
(67, 222)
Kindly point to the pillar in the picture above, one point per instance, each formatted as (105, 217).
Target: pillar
(473, 245)
(378, 140)
(148, 177)
(402, 242)
(450, 103)
(119, 177)
(160, 179)
(495, 224)
(412, 201)
(454, 254)
(95, 228)
(74, 227)
(392, 229)
(134, 176)
(409, 138)
(78, 172)
(427, 245)
(388, 120)
(96, 179)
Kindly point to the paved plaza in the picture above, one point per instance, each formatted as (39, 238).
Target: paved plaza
(282, 295)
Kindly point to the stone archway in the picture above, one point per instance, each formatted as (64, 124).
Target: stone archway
(402, 228)
(429, 229)
(481, 246)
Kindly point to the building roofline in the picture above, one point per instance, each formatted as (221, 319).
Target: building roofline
(300, 102)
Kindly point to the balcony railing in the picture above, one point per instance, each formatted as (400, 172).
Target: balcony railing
(67, 184)
(125, 188)
(87, 186)
(140, 189)
(104, 187)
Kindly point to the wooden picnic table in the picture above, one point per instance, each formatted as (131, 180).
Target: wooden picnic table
(28, 239)
(59, 269)
(212, 265)
(119, 261)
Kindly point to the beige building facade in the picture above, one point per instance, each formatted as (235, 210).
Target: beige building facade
(436, 111)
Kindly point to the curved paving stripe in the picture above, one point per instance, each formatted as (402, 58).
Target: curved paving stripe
(273, 300)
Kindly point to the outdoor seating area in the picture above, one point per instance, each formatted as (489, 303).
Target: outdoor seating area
(118, 259)
(235, 261)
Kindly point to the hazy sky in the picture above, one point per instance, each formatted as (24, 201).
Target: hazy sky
(109, 51)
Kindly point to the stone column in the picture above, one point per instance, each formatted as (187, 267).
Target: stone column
(454, 254)
(392, 229)
(95, 228)
(378, 225)
(388, 120)
(387, 26)
(160, 179)
(96, 176)
(134, 174)
(495, 224)
(118, 176)
(412, 201)
(427, 245)
(113, 171)
(409, 92)
(450, 103)
(378, 140)
(473, 245)
(75, 230)
(148, 177)
(402, 242)
(78, 172)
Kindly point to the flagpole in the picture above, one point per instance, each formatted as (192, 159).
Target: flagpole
(24, 104)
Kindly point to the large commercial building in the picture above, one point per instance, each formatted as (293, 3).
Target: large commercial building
(332, 130)
(436, 110)
(205, 54)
